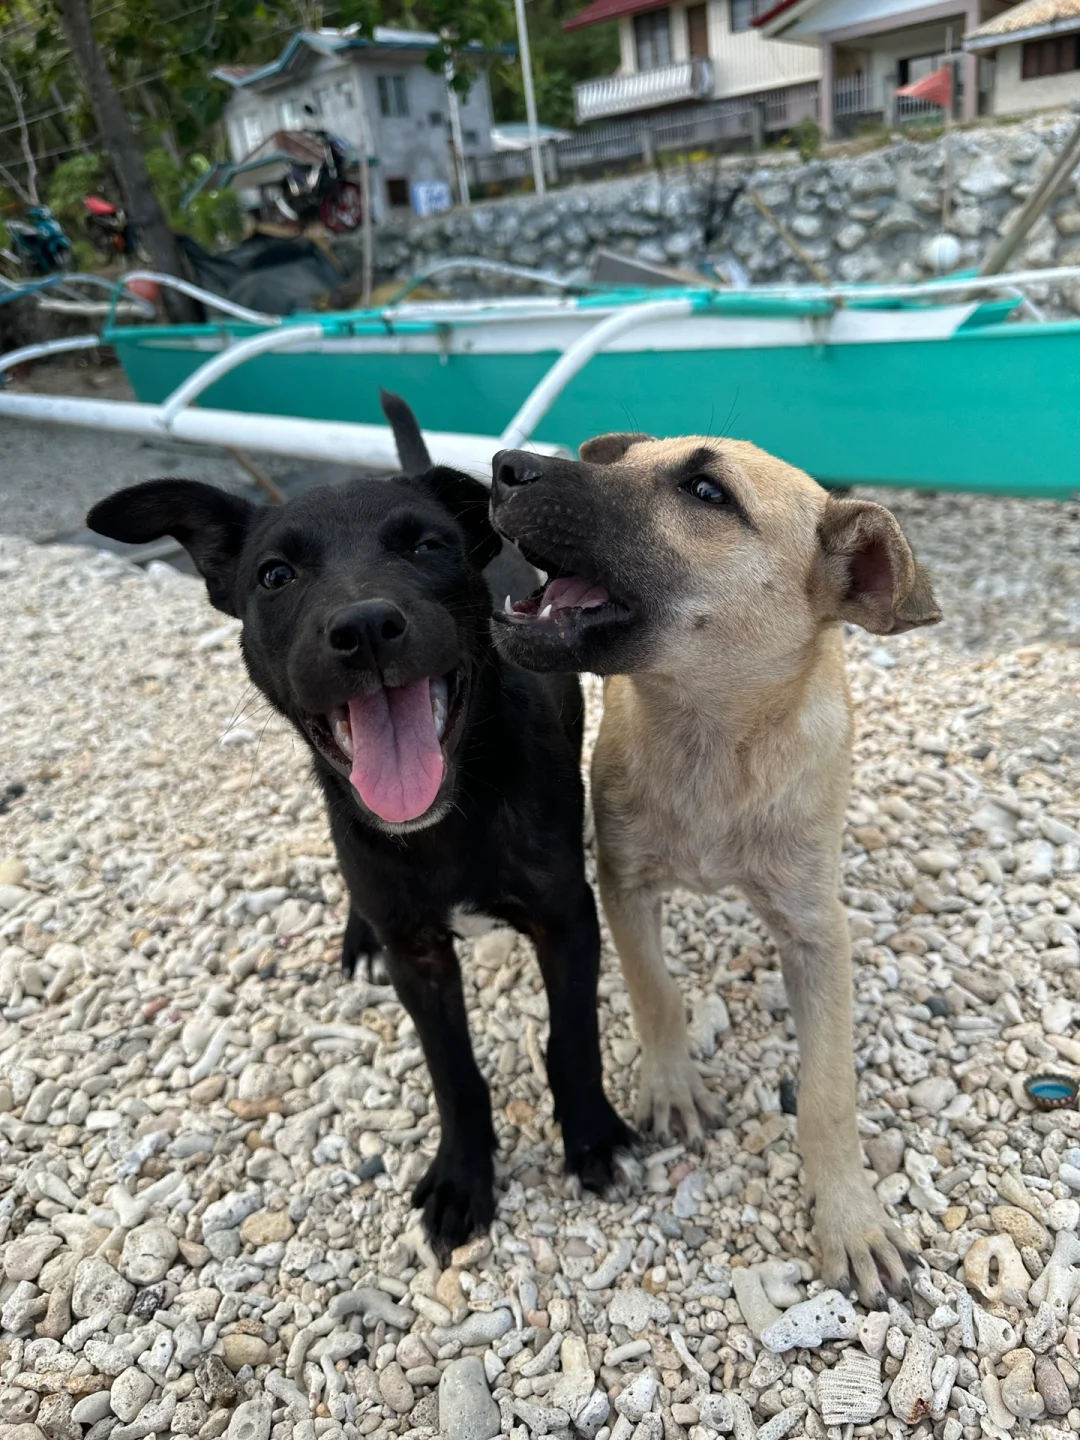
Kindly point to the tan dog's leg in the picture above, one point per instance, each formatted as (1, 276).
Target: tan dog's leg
(669, 1078)
(855, 1235)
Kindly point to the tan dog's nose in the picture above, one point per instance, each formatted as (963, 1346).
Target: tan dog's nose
(511, 469)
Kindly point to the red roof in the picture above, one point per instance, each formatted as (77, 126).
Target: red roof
(601, 10)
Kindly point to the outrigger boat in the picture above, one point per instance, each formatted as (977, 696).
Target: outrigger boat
(954, 384)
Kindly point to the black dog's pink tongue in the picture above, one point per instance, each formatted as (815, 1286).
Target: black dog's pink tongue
(397, 761)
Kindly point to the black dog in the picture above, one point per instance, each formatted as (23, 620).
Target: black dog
(451, 778)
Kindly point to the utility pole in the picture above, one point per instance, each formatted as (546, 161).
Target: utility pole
(530, 98)
(456, 139)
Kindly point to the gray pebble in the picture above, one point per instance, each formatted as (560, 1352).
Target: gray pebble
(466, 1409)
(130, 1391)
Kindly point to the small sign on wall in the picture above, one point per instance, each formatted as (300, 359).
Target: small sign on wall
(431, 197)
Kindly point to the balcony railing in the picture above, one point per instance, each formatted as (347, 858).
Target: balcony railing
(620, 94)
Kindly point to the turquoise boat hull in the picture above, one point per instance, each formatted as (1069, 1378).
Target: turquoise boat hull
(990, 407)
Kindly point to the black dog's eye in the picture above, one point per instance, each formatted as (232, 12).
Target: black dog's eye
(704, 488)
(276, 574)
(425, 546)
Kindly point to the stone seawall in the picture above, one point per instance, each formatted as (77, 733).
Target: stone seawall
(862, 218)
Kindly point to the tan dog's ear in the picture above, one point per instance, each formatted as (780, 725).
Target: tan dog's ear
(607, 449)
(869, 574)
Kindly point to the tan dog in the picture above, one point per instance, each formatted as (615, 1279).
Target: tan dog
(709, 581)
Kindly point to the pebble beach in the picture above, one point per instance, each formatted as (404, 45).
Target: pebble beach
(208, 1136)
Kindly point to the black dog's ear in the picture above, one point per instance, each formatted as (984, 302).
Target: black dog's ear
(210, 523)
(608, 449)
(413, 454)
(468, 501)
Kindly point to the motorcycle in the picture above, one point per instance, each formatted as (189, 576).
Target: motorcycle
(108, 228)
(38, 243)
(321, 191)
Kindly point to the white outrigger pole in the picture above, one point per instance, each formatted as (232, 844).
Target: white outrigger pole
(177, 417)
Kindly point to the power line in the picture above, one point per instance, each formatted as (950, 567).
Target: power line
(56, 151)
(142, 79)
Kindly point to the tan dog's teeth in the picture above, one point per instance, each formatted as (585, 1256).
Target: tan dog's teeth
(508, 608)
(544, 613)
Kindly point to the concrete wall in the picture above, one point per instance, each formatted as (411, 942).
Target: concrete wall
(1015, 96)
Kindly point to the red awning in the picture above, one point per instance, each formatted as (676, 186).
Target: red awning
(601, 10)
(935, 87)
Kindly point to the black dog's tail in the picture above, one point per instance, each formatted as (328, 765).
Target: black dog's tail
(412, 452)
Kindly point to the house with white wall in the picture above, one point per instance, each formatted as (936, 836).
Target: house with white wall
(868, 48)
(346, 78)
(1034, 49)
(678, 55)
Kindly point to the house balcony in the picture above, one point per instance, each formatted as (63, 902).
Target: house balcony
(620, 94)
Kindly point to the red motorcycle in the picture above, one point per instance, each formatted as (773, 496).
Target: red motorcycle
(109, 230)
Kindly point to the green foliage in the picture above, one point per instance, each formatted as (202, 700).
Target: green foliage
(74, 178)
(560, 61)
(807, 137)
(213, 218)
(161, 55)
(461, 25)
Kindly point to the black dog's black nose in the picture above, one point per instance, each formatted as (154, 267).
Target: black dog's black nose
(372, 631)
(510, 469)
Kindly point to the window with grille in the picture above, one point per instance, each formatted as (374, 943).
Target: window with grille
(292, 115)
(652, 39)
(393, 97)
(346, 99)
(253, 132)
(1055, 56)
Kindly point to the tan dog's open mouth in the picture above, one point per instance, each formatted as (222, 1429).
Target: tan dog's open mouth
(564, 603)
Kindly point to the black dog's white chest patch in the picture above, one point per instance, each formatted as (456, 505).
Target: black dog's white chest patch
(469, 924)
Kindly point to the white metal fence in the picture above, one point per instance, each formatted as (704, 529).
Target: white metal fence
(869, 96)
(639, 140)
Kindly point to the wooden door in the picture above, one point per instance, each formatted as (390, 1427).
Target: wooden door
(697, 25)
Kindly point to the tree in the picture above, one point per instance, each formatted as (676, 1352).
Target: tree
(139, 75)
(119, 139)
(29, 192)
(559, 62)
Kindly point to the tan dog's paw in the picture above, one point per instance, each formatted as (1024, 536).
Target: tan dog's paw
(672, 1098)
(861, 1248)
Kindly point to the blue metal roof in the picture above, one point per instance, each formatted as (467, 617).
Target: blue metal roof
(334, 42)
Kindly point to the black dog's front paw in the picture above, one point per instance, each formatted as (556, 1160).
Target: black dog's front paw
(360, 944)
(457, 1196)
(600, 1153)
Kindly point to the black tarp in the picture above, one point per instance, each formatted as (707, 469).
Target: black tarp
(276, 275)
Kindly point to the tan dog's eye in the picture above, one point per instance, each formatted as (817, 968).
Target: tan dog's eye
(708, 490)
